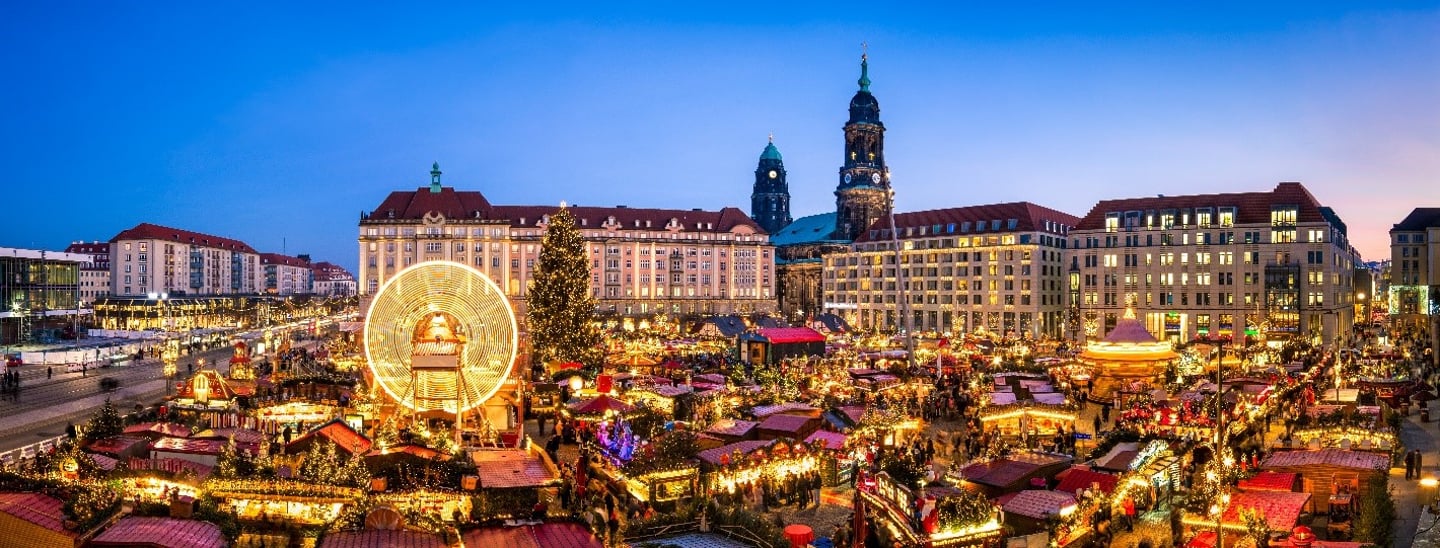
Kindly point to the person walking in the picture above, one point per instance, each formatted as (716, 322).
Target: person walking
(49, 373)
(1410, 465)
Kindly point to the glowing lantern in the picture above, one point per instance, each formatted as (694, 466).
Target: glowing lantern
(576, 383)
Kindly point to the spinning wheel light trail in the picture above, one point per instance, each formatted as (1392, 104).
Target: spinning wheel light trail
(440, 336)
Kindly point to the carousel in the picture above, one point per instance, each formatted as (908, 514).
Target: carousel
(1128, 355)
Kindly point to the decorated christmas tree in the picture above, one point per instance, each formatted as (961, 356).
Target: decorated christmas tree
(561, 308)
(105, 423)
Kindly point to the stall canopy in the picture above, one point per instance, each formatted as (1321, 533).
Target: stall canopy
(154, 531)
(599, 406)
(1077, 478)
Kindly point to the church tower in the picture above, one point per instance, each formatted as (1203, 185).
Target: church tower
(770, 199)
(863, 195)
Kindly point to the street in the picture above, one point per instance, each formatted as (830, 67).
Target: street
(74, 396)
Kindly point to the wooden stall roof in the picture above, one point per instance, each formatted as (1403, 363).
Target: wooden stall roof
(381, 538)
(545, 535)
(162, 533)
(42, 510)
(1362, 460)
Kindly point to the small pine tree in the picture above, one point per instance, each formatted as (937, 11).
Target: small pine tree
(1374, 523)
(227, 463)
(561, 308)
(105, 423)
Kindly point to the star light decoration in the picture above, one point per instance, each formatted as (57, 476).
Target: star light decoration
(418, 294)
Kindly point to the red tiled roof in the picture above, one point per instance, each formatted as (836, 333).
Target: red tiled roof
(763, 411)
(833, 441)
(276, 258)
(163, 532)
(114, 445)
(147, 231)
(1281, 509)
(545, 535)
(1332, 457)
(186, 445)
(629, 218)
(339, 433)
(329, 272)
(92, 248)
(380, 538)
(1269, 480)
(781, 422)
(1076, 479)
(469, 204)
(1036, 504)
(1252, 207)
(789, 335)
(1028, 218)
(731, 427)
(507, 468)
(42, 510)
(713, 455)
(168, 429)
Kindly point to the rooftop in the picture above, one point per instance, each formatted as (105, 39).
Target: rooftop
(1420, 218)
(147, 231)
(977, 220)
(506, 468)
(42, 510)
(806, 230)
(1251, 207)
(161, 533)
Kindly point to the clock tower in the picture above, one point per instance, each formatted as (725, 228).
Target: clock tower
(770, 199)
(863, 195)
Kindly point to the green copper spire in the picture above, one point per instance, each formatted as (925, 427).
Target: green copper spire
(770, 152)
(864, 73)
(435, 178)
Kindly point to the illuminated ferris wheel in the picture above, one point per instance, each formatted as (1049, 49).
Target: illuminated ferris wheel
(440, 336)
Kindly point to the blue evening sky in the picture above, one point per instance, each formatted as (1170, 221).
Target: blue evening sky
(280, 123)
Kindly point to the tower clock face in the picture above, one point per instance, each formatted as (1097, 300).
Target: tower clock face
(773, 174)
(847, 178)
(875, 178)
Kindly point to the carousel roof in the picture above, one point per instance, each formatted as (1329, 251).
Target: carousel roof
(599, 405)
(1129, 341)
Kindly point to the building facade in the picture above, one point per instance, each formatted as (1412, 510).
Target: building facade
(1274, 265)
(40, 292)
(332, 280)
(992, 269)
(285, 275)
(153, 259)
(94, 274)
(1414, 291)
(862, 197)
(643, 261)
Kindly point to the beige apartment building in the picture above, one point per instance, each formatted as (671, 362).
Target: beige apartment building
(285, 275)
(1273, 264)
(95, 273)
(155, 259)
(991, 269)
(643, 261)
(1415, 274)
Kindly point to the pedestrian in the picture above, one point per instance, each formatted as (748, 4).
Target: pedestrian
(190, 368)
(1410, 465)
(49, 372)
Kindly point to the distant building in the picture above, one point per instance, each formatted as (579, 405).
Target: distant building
(153, 259)
(41, 294)
(332, 280)
(94, 274)
(285, 275)
(996, 269)
(643, 261)
(1415, 273)
(1274, 264)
